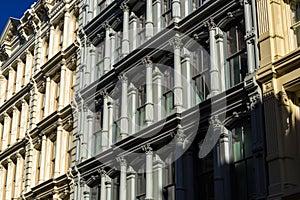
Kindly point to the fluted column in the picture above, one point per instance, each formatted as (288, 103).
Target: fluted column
(58, 149)
(124, 101)
(51, 41)
(104, 136)
(112, 47)
(149, 172)
(43, 159)
(123, 174)
(47, 96)
(176, 42)
(14, 125)
(176, 10)
(28, 67)
(66, 32)
(11, 82)
(125, 39)
(2, 177)
(63, 90)
(6, 130)
(149, 92)
(3, 83)
(24, 118)
(9, 179)
(149, 20)
(19, 78)
(107, 51)
(132, 111)
(110, 122)
(19, 175)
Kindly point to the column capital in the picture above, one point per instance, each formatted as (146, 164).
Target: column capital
(106, 25)
(147, 61)
(122, 160)
(147, 148)
(18, 155)
(124, 7)
(210, 24)
(122, 77)
(14, 108)
(215, 122)
(176, 42)
(9, 160)
(180, 136)
(102, 172)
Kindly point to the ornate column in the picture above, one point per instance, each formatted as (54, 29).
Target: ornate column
(3, 83)
(214, 72)
(123, 174)
(62, 90)
(149, 172)
(19, 78)
(112, 47)
(9, 178)
(176, 43)
(176, 10)
(58, 149)
(19, 175)
(47, 96)
(104, 136)
(28, 67)
(6, 130)
(14, 125)
(125, 39)
(157, 85)
(107, 52)
(186, 73)
(149, 20)
(11, 82)
(43, 159)
(66, 32)
(132, 107)
(2, 177)
(149, 92)
(124, 115)
(110, 121)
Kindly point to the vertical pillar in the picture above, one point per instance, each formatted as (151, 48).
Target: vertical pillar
(28, 67)
(6, 130)
(133, 106)
(68, 87)
(157, 15)
(11, 82)
(125, 39)
(43, 159)
(3, 83)
(112, 47)
(63, 90)
(2, 183)
(157, 178)
(124, 100)
(47, 96)
(15, 125)
(176, 42)
(64, 151)
(149, 172)
(108, 188)
(104, 138)
(221, 60)
(9, 178)
(186, 72)
(133, 32)
(89, 132)
(149, 92)
(23, 122)
(34, 165)
(110, 122)
(66, 31)
(123, 174)
(214, 72)
(19, 78)
(92, 63)
(149, 20)
(49, 172)
(176, 10)
(131, 187)
(103, 186)
(157, 88)
(58, 149)
(107, 51)
(51, 41)
(19, 175)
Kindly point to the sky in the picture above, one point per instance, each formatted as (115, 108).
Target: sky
(13, 8)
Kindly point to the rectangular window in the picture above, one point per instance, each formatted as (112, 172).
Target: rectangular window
(53, 155)
(295, 7)
(117, 115)
(99, 60)
(141, 105)
(118, 52)
(236, 57)
(166, 12)
(168, 94)
(141, 185)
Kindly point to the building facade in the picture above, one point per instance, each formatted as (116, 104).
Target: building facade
(168, 106)
(279, 41)
(38, 59)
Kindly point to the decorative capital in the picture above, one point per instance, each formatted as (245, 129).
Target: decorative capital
(176, 42)
(103, 92)
(254, 100)
(215, 122)
(124, 7)
(210, 24)
(122, 160)
(180, 136)
(147, 61)
(147, 148)
(122, 77)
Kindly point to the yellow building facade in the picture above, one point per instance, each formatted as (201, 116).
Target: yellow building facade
(279, 75)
